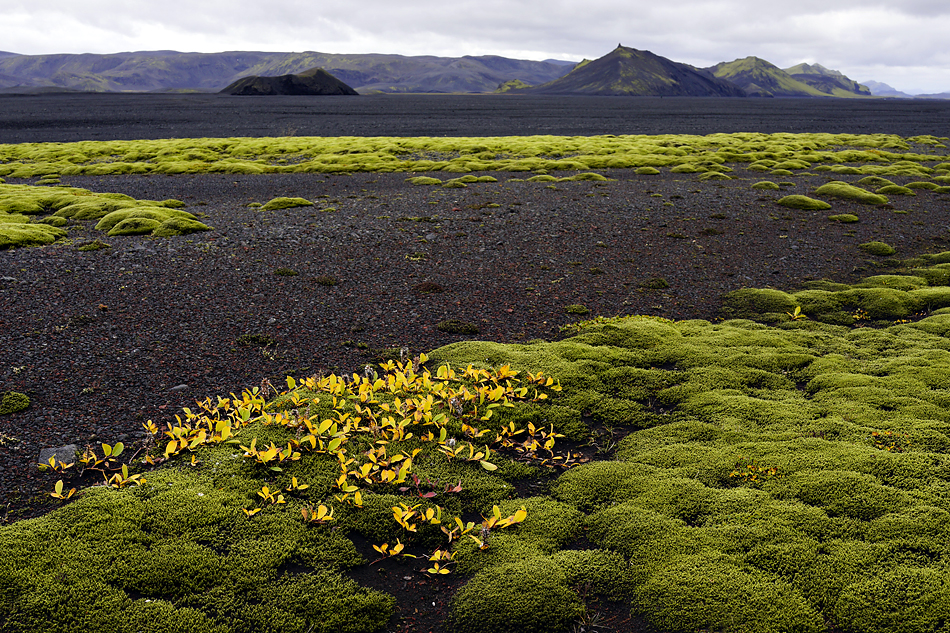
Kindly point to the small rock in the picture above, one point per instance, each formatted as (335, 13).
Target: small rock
(271, 321)
(431, 236)
(179, 388)
(65, 454)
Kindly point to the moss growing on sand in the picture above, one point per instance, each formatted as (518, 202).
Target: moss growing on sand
(875, 154)
(766, 185)
(647, 171)
(844, 191)
(13, 402)
(285, 203)
(424, 180)
(158, 221)
(844, 218)
(877, 248)
(796, 201)
(15, 235)
(895, 190)
(20, 203)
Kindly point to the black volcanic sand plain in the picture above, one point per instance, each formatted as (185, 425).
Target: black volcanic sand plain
(74, 117)
(103, 341)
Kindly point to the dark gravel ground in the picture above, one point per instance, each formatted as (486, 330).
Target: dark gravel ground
(99, 117)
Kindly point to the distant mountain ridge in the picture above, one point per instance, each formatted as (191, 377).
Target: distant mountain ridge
(630, 72)
(759, 78)
(624, 71)
(827, 81)
(147, 71)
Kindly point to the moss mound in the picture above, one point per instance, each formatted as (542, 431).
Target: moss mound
(14, 235)
(844, 191)
(877, 248)
(844, 218)
(531, 596)
(285, 203)
(804, 203)
(13, 402)
(424, 180)
(19, 202)
(896, 190)
(767, 185)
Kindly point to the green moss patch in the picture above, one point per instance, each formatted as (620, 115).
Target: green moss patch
(896, 190)
(13, 402)
(879, 155)
(844, 218)
(767, 185)
(804, 203)
(285, 203)
(877, 248)
(844, 191)
(19, 204)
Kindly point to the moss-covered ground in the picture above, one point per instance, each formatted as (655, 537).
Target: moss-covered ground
(40, 215)
(784, 469)
(875, 154)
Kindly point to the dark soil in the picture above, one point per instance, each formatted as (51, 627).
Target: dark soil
(103, 341)
(101, 117)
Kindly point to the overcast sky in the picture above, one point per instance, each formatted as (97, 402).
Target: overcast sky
(903, 43)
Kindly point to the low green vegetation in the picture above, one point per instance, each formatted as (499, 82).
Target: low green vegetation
(285, 203)
(36, 216)
(844, 191)
(13, 402)
(804, 203)
(880, 155)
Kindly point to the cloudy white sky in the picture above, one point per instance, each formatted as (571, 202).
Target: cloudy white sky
(899, 42)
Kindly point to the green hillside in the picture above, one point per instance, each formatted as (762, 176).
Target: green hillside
(631, 72)
(828, 81)
(760, 78)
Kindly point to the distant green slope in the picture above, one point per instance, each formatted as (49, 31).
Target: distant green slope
(631, 72)
(828, 81)
(760, 78)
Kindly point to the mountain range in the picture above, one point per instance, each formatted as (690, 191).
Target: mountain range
(631, 72)
(623, 71)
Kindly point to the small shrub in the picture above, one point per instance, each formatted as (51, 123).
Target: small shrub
(326, 280)
(577, 308)
(286, 272)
